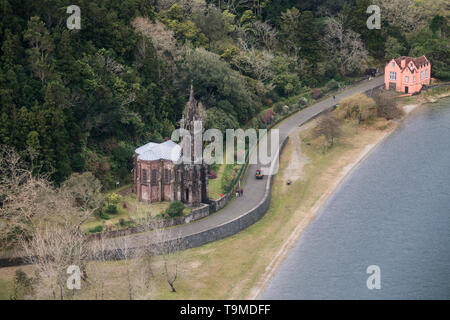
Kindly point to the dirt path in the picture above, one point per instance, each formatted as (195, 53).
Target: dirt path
(294, 171)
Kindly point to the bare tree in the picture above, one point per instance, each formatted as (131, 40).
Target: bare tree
(265, 33)
(97, 249)
(126, 253)
(328, 127)
(22, 196)
(46, 221)
(167, 244)
(405, 14)
(161, 37)
(253, 62)
(344, 46)
(387, 106)
(52, 249)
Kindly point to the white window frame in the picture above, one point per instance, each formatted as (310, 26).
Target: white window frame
(421, 75)
(392, 75)
(406, 79)
(426, 73)
(414, 79)
(393, 64)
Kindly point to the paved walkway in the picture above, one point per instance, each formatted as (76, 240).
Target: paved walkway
(253, 189)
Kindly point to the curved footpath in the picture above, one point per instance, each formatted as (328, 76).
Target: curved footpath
(237, 214)
(246, 210)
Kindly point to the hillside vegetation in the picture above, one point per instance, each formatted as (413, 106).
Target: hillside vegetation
(82, 100)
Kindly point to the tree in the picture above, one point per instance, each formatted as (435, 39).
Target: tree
(410, 15)
(394, 48)
(386, 106)
(289, 29)
(253, 63)
(285, 79)
(217, 85)
(217, 118)
(167, 244)
(41, 47)
(355, 18)
(358, 107)
(328, 126)
(344, 46)
(46, 221)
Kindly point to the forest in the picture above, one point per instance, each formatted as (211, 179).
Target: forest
(83, 100)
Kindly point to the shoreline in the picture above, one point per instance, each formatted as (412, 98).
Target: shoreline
(281, 254)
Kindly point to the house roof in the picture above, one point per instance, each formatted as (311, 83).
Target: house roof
(418, 62)
(168, 150)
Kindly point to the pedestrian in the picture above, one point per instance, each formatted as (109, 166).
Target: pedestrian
(334, 98)
(242, 192)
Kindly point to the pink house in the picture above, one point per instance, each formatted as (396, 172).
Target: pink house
(406, 74)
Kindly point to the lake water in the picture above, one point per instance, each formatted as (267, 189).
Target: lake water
(392, 211)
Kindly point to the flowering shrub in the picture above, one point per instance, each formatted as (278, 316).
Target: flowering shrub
(212, 175)
(316, 93)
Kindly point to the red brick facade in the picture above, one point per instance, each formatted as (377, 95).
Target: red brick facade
(157, 177)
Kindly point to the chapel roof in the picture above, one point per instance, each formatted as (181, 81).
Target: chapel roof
(167, 150)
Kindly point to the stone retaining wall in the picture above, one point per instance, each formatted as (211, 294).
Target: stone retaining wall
(196, 214)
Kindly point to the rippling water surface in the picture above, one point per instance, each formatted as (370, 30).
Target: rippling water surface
(392, 211)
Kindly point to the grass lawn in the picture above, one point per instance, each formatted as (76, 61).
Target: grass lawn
(6, 289)
(226, 173)
(133, 211)
(215, 185)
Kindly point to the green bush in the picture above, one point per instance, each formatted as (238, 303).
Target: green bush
(175, 209)
(331, 85)
(111, 209)
(96, 229)
(105, 216)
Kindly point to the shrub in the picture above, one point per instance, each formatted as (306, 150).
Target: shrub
(212, 175)
(386, 106)
(105, 216)
(358, 106)
(114, 198)
(267, 118)
(96, 229)
(316, 93)
(23, 285)
(331, 85)
(122, 222)
(111, 209)
(302, 101)
(278, 108)
(175, 209)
